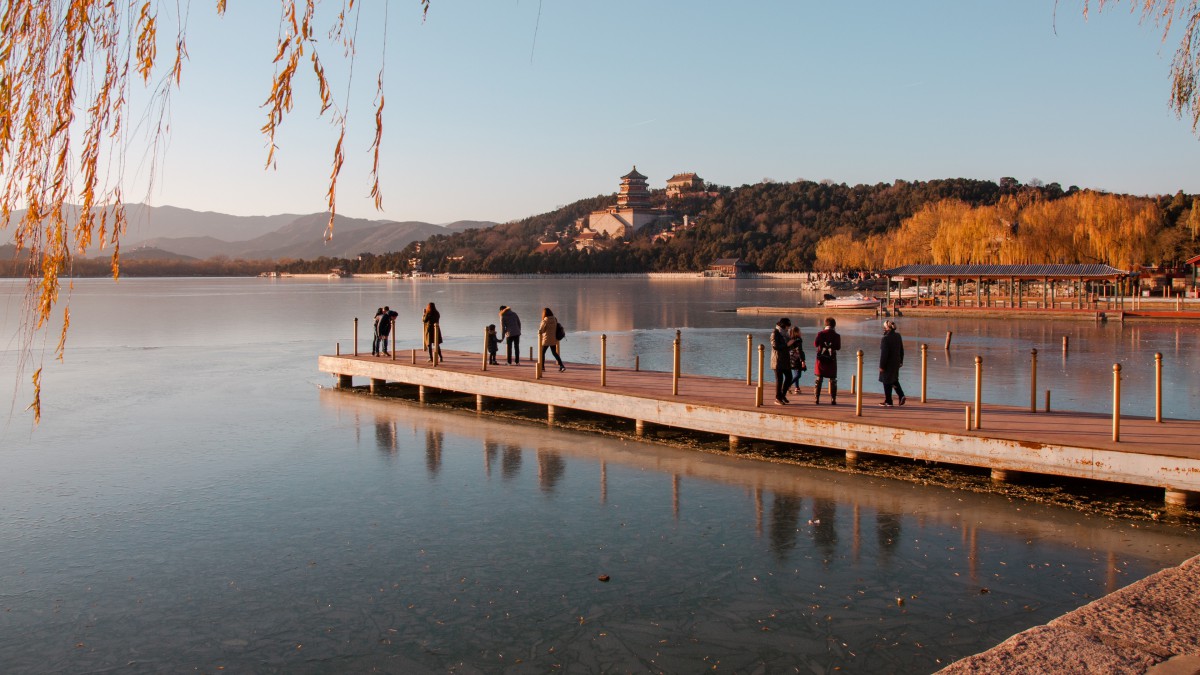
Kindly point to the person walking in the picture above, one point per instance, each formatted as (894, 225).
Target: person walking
(432, 331)
(828, 342)
(510, 329)
(386, 319)
(796, 355)
(891, 359)
(781, 359)
(548, 337)
(375, 340)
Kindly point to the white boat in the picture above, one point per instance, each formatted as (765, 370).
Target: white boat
(856, 301)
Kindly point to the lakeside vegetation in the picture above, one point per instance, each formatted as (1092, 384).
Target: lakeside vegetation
(777, 227)
(802, 226)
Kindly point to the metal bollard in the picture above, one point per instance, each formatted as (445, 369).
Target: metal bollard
(394, 332)
(1116, 402)
(858, 392)
(949, 335)
(637, 363)
(1158, 387)
(1047, 400)
(924, 369)
(485, 354)
(967, 423)
(978, 392)
(1066, 344)
(356, 336)
(337, 349)
(603, 360)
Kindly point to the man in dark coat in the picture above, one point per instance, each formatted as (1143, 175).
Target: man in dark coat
(891, 358)
(827, 342)
(386, 319)
(781, 361)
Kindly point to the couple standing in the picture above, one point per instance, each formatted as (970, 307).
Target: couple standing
(548, 335)
(787, 359)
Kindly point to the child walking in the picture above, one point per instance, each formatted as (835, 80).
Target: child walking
(493, 344)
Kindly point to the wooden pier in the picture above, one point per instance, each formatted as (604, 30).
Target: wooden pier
(1008, 441)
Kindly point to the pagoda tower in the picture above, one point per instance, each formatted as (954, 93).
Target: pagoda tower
(634, 194)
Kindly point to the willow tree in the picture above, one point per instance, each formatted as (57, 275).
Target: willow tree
(67, 69)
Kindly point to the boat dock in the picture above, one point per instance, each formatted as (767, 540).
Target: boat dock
(1007, 440)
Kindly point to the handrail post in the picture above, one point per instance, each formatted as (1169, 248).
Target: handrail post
(539, 365)
(859, 390)
(356, 336)
(1033, 380)
(978, 392)
(1158, 387)
(1116, 402)
(924, 369)
(758, 391)
(749, 357)
(603, 360)
(675, 365)
(485, 354)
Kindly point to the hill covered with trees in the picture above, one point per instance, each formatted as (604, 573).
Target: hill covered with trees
(806, 225)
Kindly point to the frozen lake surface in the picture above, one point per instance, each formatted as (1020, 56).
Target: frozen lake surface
(196, 497)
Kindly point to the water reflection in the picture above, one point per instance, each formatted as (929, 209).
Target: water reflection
(433, 451)
(551, 468)
(785, 524)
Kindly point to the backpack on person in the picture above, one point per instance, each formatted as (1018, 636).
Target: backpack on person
(559, 331)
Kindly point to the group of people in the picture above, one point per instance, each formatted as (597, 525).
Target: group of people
(550, 332)
(788, 361)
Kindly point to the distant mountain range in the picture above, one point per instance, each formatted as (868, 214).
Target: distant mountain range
(170, 233)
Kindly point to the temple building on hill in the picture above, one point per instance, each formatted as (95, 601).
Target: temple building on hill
(683, 183)
(632, 212)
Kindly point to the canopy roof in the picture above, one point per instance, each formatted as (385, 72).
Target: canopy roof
(1007, 271)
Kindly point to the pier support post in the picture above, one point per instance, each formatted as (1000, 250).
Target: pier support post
(949, 336)
(1003, 475)
(337, 349)
(924, 369)
(1047, 400)
(550, 413)
(478, 403)
(851, 457)
(376, 385)
(1033, 380)
(1158, 387)
(639, 428)
(1066, 344)
(734, 442)
(345, 381)
(420, 393)
(1181, 498)
(1116, 403)
(978, 392)
(749, 357)
(858, 392)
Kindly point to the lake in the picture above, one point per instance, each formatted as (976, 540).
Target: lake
(198, 497)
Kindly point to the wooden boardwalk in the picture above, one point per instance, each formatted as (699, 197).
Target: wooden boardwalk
(1009, 440)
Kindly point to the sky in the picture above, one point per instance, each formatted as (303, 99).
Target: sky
(502, 110)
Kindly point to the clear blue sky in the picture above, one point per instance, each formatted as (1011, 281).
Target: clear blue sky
(486, 120)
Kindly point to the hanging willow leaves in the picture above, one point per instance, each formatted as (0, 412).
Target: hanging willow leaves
(66, 72)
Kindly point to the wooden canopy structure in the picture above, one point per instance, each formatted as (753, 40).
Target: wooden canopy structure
(1082, 283)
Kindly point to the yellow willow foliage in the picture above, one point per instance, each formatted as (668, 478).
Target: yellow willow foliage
(1185, 67)
(66, 68)
(836, 253)
(1112, 229)
(913, 243)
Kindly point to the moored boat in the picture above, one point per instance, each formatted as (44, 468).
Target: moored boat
(856, 301)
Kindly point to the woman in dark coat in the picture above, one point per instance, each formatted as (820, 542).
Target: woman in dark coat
(827, 342)
(891, 358)
(432, 331)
